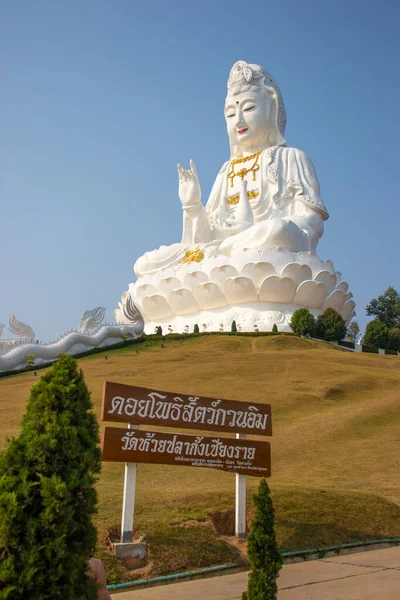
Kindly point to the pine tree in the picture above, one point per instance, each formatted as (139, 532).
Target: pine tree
(47, 494)
(196, 329)
(264, 556)
(274, 328)
(233, 327)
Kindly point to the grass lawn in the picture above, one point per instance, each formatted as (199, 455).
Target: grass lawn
(335, 445)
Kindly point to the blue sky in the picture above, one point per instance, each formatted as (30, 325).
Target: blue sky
(100, 100)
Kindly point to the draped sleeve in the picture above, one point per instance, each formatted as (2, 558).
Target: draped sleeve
(298, 180)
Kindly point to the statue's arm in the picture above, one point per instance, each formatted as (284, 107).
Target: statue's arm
(303, 205)
(196, 226)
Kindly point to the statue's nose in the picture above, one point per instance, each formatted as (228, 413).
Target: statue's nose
(239, 119)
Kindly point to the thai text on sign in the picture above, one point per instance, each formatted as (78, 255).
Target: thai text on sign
(245, 457)
(131, 404)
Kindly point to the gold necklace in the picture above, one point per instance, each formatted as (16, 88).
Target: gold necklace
(243, 172)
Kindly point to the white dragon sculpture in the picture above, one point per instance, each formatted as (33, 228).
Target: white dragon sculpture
(76, 341)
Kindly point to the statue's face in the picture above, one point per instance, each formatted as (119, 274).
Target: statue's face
(248, 120)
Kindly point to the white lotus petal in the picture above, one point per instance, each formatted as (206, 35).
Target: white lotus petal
(328, 279)
(328, 266)
(277, 289)
(194, 278)
(141, 281)
(214, 261)
(156, 307)
(335, 300)
(257, 272)
(220, 274)
(168, 284)
(347, 311)
(243, 257)
(310, 294)
(349, 296)
(182, 302)
(162, 274)
(208, 296)
(307, 258)
(298, 273)
(338, 276)
(342, 285)
(145, 290)
(124, 297)
(240, 290)
(278, 257)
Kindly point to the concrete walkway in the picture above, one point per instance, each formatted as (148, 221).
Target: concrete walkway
(368, 575)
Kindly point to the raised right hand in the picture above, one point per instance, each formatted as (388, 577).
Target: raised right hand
(189, 186)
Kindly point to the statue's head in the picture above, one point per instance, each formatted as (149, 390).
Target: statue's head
(254, 110)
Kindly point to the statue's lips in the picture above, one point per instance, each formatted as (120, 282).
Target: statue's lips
(242, 131)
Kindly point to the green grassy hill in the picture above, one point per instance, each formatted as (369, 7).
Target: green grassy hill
(335, 448)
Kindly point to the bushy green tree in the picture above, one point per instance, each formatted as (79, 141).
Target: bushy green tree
(303, 322)
(274, 328)
(394, 339)
(47, 494)
(233, 327)
(331, 326)
(196, 329)
(376, 334)
(386, 308)
(262, 549)
(159, 330)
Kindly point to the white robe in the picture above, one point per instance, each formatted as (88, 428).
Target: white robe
(288, 213)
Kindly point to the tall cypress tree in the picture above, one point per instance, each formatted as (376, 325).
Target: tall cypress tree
(47, 495)
(262, 548)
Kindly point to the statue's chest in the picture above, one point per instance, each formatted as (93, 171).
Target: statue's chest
(234, 189)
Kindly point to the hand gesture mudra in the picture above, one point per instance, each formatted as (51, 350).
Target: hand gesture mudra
(189, 186)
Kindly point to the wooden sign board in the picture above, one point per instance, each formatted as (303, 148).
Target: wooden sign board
(131, 404)
(245, 457)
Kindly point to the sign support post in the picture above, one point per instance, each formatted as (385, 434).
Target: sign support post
(128, 503)
(240, 500)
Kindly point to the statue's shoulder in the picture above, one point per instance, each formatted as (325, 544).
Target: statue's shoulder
(287, 154)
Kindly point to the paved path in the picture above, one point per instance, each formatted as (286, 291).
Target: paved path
(372, 575)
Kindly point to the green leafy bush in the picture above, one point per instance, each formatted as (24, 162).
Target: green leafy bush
(274, 328)
(376, 334)
(47, 494)
(196, 329)
(394, 339)
(264, 557)
(233, 327)
(331, 326)
(303, 322)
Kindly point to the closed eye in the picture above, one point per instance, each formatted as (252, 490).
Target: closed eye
(248, 108)
(230, 116)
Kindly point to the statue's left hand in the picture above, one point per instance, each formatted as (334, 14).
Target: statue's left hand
(189, 186)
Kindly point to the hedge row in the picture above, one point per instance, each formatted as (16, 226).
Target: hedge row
(347, 344)
(370, 349)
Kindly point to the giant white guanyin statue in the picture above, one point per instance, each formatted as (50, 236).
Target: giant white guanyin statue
(249, 255)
